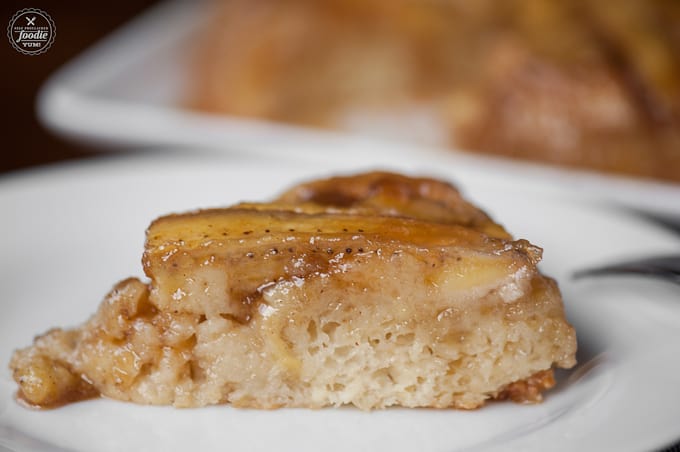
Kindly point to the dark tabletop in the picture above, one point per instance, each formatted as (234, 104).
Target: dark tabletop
(79, 24)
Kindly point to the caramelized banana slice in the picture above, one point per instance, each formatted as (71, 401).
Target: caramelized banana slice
(230, 254)
(394, 194)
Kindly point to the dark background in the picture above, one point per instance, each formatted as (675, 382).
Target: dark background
(79, 24)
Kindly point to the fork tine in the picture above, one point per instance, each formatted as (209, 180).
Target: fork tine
(665, 267)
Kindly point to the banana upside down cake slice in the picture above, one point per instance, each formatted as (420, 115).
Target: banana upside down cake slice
(372, 290)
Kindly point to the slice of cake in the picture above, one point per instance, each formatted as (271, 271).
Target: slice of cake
(574, 83)
(373, 290)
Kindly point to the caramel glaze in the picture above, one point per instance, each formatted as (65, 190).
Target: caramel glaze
(80, 392)
(530, 389)
(318, 226)
(257, 246)
(387, 193)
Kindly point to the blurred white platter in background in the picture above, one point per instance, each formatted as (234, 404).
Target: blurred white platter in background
(74, 230)
(130, 89)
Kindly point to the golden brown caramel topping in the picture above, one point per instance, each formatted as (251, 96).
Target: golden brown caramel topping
(529, 390)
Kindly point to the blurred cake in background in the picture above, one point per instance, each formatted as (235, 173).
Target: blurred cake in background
(580, 83)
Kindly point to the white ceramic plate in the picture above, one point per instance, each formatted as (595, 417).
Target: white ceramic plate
(131, 89)
(68, 233)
